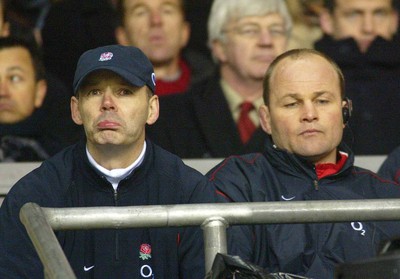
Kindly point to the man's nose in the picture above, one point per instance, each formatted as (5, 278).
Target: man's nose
(155, 18)
(265, 37)
(107, 102)
(368, 24)
(4, 91)
(310, 113)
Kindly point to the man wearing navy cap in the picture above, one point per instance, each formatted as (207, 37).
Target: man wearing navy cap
(115, 166)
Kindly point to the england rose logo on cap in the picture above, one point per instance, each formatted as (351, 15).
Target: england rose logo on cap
(106, 56)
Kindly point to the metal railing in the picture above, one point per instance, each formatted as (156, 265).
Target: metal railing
(213, 218)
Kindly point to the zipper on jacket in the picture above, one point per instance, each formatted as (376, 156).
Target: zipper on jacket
(115, 197)
(316, 186)
(116, 230)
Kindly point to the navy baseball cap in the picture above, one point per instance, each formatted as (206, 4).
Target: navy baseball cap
(128, 62)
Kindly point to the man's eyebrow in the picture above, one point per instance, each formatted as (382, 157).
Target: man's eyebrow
(382, 9)
(16, 68)
(140, 4)
(315, 94)
(134, 7)
(290, 95)
(165, 4)
(323, 92)
(170, 3)
(90, 83)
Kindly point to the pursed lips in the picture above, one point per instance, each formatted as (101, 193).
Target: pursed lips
(264, 58)
(108, 125)
(310, 132)
(6, 106)
(156, 38)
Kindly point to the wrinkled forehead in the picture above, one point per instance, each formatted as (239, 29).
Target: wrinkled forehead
(303, 71)
(364, 5)
(243, 10)
(16, 57)
(152, 3)
(268, 19)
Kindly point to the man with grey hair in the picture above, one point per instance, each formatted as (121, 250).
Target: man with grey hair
(220, 113)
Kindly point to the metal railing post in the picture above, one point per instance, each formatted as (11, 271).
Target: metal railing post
(46, 244)
(214, 234)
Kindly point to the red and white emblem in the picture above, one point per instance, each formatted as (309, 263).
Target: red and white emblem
(106, 56)
(145, 251)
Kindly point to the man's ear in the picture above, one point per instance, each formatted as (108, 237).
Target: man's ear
(75, 114)
(120, 36)
(326, 22)
(5, 30)
(265, 119)
(41, 89)
(395, 22)
(185, 35)
(154, 110)
(218, 51)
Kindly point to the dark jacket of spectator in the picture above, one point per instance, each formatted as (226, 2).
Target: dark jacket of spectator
(373, 84)
(390, 168)
(49, 129)
(202, 124)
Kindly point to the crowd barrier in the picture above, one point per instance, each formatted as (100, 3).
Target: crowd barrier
(12, 172)
(213, 219)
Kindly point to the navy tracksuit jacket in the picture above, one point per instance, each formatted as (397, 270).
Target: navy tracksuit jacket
(69, 180)
(312, 250)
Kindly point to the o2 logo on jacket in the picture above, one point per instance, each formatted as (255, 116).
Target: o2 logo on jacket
(146, 271)
(358, 226)
(145, 254)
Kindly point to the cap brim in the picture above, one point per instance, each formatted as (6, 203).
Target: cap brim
(126, 75)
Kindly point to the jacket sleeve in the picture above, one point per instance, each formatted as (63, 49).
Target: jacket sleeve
(196, 189)
(233, 183)
(18, 257)
(390, 168)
